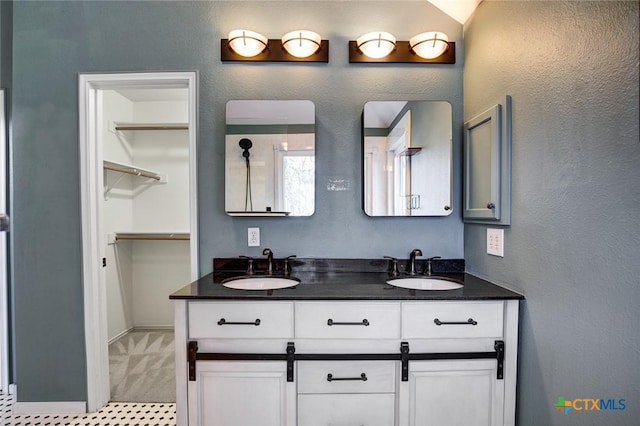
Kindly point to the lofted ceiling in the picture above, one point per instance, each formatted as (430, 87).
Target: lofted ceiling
(460, 10)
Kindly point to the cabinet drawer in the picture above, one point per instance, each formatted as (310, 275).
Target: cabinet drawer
(452, 320)
(239, 320)
(346, 409)
(347, 320)
(346, 376)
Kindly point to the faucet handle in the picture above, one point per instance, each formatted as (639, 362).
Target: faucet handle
(286, 269)
(250, 270)
(394, 266)
(428, 270)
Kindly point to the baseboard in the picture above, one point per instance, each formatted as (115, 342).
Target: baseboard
(119, 335)
(142, 328)
(153, 328)
(58, 407)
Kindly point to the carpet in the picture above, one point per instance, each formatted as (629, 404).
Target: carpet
(141, 367)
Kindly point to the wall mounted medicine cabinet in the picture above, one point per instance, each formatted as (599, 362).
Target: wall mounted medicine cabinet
(407, 160)
(270, 158)
(487, 166)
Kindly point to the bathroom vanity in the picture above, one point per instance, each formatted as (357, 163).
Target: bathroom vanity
(344, 347)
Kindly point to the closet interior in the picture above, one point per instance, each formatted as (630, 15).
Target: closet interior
(146, 205)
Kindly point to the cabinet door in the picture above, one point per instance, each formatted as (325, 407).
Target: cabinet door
(452, 393)
(487, 166)
(482, 144)
(239, 393)
(346, 410)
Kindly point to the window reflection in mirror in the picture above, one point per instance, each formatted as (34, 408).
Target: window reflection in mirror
(270, 158)
(407, 158)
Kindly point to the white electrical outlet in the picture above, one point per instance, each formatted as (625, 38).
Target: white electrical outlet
(495, 242)
(253, 237)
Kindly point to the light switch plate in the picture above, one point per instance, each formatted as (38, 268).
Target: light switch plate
(495, 242)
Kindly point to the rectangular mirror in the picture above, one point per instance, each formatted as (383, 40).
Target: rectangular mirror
(407, 160)
(270, 158)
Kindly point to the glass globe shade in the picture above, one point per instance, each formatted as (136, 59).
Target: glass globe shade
(377, 44)
(247, 43)
(429, 45)
(301, 43)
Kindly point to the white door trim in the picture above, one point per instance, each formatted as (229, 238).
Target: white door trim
(95, 323)
(4, 318)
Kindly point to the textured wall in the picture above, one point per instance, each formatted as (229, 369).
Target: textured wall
(572, 69)
(54, 41)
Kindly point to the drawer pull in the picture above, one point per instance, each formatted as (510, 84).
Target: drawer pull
(364, 322)
(225, 322)
(470, 321)
(330, 378)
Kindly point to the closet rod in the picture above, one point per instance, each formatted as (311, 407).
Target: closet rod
(109, 165)
(152, 236)
(152, 126)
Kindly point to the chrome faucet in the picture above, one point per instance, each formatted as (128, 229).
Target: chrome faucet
(412, 261)
(267, 252)
(428, 271)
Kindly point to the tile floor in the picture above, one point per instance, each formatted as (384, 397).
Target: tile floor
(114, 414)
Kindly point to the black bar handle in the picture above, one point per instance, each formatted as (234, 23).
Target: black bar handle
(470, 321)
(364, 322)
(330, 378)
(225, 322)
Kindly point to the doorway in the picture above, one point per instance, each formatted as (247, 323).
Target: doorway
(139, 208)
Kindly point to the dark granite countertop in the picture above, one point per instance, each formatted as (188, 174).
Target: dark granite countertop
(341, 279)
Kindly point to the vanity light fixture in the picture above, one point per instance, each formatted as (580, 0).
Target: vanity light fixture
(247, 43)
(295, 46)
(430, 47)
(301, 43)
(377, 44)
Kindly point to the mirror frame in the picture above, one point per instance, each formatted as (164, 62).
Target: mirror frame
(407, 157)
(248, 124)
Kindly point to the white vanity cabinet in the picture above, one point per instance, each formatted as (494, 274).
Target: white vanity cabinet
(479, 392)
(347, 392)
(453, 393)
(247, 392)
(241, 393)
(322, 363)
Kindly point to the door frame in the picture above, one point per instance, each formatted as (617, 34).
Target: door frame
(4, 256)
(91, 191)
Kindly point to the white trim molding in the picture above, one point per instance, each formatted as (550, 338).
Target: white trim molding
(4, 255)
(53, 408)
(95, 321)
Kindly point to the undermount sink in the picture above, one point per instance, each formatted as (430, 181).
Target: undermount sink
(425, 283)
(260, 283)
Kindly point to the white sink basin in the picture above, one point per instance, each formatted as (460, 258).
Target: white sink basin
(424, 283)
(260, 283)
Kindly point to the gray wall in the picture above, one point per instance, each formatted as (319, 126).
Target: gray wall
(573, 247)
(54, 41)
